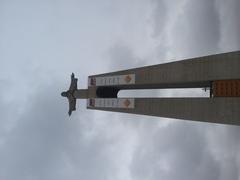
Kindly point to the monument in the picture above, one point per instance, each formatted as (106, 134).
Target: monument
(220, 73)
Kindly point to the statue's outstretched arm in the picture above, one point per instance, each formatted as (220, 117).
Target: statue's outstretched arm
(73, 85)
(72, 105)
(72, 76)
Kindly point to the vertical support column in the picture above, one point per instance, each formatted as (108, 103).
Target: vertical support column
(190, 73)
(213, 110)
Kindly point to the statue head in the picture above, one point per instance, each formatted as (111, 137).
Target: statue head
(64, 94)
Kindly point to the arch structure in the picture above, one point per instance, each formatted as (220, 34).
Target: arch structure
(220, 73)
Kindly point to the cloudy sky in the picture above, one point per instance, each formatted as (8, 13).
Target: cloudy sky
(42, 42)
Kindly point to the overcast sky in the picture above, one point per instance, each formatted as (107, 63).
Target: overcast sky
(42, 42)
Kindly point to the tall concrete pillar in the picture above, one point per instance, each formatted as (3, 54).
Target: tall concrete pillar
(221, 70)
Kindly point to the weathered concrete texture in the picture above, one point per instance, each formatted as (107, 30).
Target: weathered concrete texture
(213, 110)
(81, 94)
(195, 72)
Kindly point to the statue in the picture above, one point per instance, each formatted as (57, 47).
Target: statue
(70, 94)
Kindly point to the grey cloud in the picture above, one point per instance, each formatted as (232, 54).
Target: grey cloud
(123, 57)
(224, 146)
(230, 24)
(177, 151)
(5, 114)
(199, 27)
(159, 15)
(31, 147)
(193, 29)
(46, 145)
